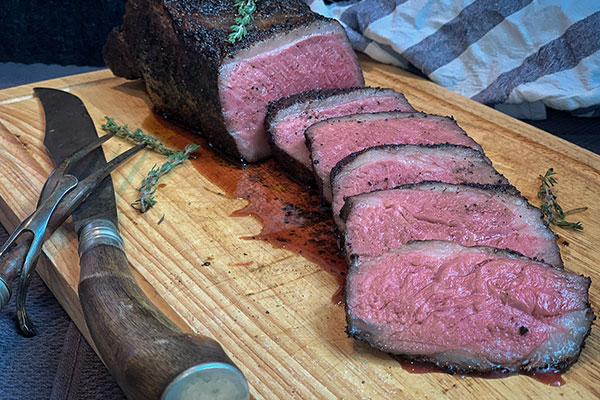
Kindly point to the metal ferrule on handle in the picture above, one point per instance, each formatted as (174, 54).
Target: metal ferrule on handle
(98, 232)
(154, 358)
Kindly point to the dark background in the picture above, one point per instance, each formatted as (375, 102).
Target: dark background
(57, 31)
(47, 39)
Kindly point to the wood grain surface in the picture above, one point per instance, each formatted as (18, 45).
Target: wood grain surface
(271, 308)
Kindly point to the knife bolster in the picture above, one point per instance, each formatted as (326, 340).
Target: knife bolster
(99, 232)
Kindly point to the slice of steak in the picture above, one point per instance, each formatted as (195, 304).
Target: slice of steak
(288, 118)
(333, 139)
(195, 76)
(468, 308)
(390, 166)
(468, 214)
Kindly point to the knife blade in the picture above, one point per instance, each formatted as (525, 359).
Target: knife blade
(65, 111)
(148, 355)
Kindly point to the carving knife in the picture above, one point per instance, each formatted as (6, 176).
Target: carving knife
(147, 354)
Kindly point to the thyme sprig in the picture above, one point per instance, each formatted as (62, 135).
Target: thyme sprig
(553, 212)
(148, 186)
(243, 18)
(149, 183)
(137, 136)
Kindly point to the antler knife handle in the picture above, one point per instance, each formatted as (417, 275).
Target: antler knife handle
(148, 355)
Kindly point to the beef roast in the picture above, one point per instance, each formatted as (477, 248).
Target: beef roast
(195, 76)
(468, 214)
(390, 166)
(468, 308)
(333, 139)
(288, 118)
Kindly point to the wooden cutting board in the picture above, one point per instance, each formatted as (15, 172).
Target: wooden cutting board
(271, 307)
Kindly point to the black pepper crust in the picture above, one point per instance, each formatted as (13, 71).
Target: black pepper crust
(455, 368)
(294, 169)
(361, 117)
(177, 47)
(509, 190)
(281, 104)
(391, 148)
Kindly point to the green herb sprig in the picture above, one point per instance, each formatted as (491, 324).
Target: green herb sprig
(148, 186)
(137, 136)
(553, 212)
(243, 18)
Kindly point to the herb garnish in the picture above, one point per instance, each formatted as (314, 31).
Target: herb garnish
(243, 18)
(553, 212)
(148, 187)
(137, 136)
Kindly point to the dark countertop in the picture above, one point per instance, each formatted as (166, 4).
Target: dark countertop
(58, 363)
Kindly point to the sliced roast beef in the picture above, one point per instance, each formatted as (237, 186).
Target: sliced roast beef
(468, 308)
(390, 166)
(194, 75)
(333, 139)
(288, 118)
(468, 214)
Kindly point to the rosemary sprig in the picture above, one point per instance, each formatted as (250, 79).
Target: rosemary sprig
(553, 212)
(243, 18)
(137, 136)
(148, 186)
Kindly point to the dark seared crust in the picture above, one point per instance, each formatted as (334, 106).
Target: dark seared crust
(387, 114)
(354, 258)
(504, 189)
(393, 147)
(281, 104)
(178, 47)
(450, 368)
(361, 116)
(117, 50)
(317, 94)
(458, 369)
(508, 189)
(294, 169)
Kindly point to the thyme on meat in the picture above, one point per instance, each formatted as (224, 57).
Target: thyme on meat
(148, 186)
(553, 212)
(243, 18)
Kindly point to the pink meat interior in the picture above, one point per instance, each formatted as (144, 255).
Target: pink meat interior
(289, 133)
(390, 218)
(493, 307)
(387, 171)
(323, 61)
(333, 141)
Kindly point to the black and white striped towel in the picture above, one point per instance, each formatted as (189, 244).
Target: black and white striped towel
(493, 51)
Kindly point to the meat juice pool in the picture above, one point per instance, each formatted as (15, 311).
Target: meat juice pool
(293, 218)
(549, 377)
(291, 215)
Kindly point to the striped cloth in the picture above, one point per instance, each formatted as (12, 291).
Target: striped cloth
(521, 52)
